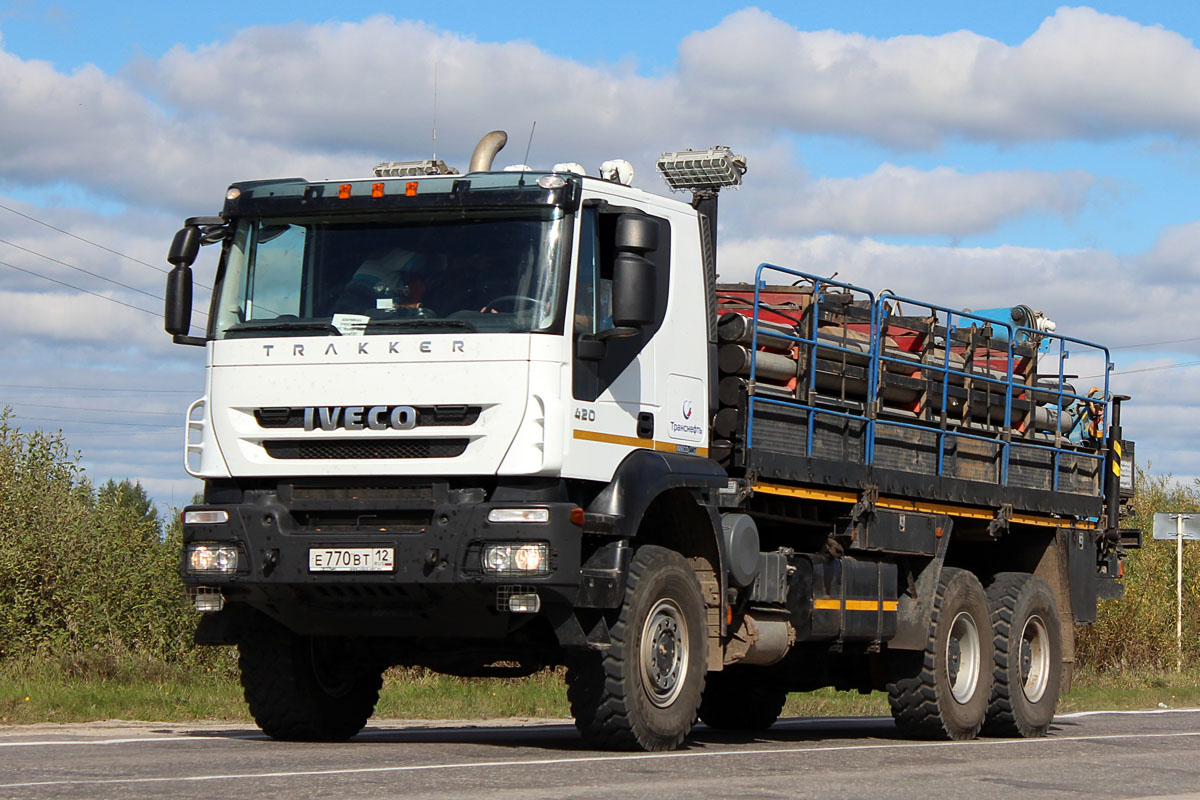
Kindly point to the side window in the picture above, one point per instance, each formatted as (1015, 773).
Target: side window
(273, 287)
(593, 297)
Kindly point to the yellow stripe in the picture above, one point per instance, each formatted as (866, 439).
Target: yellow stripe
(632, 441)
(806, 494)
(833, 604)
(1117, 449)
(1117, 467)
(917, 506)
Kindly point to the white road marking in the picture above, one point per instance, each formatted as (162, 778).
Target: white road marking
(593, 760)
(1144, 711)
(139, 740)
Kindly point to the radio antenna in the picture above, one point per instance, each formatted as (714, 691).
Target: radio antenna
(525, 161)
(435, 88)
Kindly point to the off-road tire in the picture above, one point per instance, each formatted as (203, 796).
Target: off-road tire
(634, 696)
(943, 691)
(1028, 663)
(303, 688)
(737, 700)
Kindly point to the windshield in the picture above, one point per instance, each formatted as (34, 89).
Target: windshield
(494, 271)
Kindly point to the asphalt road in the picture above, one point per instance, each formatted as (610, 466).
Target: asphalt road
(1096, 754)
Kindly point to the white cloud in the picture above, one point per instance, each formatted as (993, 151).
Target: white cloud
(904, 200)
(1082, 74)
(1092, 295)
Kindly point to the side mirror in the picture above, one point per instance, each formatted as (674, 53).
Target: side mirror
(633, 275)
(633, 291)
(178, 311)
(184, 247)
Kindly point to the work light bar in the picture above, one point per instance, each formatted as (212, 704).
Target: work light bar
(408, 169)
(701, 169)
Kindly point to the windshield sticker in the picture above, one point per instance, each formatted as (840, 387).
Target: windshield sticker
(350, 324)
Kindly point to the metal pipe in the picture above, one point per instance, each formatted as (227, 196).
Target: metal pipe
(485, 151)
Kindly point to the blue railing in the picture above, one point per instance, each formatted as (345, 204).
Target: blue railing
(878, 355)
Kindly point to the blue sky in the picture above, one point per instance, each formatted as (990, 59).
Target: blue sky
(977, 153)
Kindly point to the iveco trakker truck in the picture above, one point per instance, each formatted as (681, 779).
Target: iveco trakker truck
(502, 420)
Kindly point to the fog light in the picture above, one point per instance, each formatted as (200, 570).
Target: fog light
(210, 558)
(208, 516)
(519, 515)
(525, 603)
(207, 600)
(516, 559)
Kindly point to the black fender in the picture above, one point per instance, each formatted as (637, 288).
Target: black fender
(639, 480)
(643, 476)
(915, 616)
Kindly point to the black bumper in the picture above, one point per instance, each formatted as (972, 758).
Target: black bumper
(437, 588)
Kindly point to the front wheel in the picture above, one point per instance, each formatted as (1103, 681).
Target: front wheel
(304, 688)
(1028, 664)
(943, 691)
(644, 691)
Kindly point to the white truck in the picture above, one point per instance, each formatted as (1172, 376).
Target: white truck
(498, 421)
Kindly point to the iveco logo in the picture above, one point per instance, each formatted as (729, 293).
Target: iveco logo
(356, 418)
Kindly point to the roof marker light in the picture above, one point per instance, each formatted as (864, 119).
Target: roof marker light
(376, 190)
(410, 189)
(344, 192)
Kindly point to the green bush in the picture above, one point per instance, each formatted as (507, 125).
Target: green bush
(87, 577)
(1138, 631)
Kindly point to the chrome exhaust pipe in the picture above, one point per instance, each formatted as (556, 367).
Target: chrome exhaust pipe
(485, 151)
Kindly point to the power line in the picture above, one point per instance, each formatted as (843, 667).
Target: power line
(88, 272)
(78, 288)
(1184, 365)
(90, 388)
(103, 410)
(89, 241)
(1152, 344)
(93, 422)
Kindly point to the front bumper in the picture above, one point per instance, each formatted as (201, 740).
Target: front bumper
(437, 587)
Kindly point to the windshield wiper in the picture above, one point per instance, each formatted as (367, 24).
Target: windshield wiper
(286, 326)
(423, 323)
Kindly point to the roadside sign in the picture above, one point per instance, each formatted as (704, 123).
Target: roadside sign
(1166, 526)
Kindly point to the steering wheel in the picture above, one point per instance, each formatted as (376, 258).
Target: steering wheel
(514, 299)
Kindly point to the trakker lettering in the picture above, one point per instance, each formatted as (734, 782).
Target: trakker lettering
(357, 418)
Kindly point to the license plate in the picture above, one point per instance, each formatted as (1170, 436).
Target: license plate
(351, 559)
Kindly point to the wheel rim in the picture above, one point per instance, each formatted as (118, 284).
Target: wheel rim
(962, 657)
(664, 652)
(1035, 659)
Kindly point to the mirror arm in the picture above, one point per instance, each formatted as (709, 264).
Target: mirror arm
(198, 341)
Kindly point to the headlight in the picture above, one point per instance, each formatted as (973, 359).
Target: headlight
(516, 559)
(205, 516)
(211, 559)
(519, 515)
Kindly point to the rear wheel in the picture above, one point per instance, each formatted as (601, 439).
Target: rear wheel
(943, 691)
(305, 688)
(643, 692)
(1028, 661)
(737, 699)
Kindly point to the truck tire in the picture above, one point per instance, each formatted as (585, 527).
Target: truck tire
(943, 691)
(737, 700)
(311, 689)
(644, 690)
(1028, 665)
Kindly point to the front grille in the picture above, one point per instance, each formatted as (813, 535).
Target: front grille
(439, 415)
(365, 448)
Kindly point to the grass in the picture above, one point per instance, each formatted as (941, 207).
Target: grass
(57, 692)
